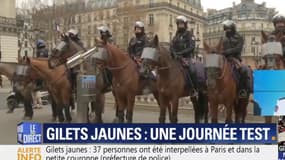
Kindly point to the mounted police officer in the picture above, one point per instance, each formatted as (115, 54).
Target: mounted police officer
(279, 24)
(73, 34)
(182, 48)
(105, 34)
(137, 43)
(135, 49)
(233, 45)
(42, 51)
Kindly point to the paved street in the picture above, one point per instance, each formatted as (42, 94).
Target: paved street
(144, 112)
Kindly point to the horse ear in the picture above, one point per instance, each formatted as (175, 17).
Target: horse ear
(206, 47)
(156, 40)
(264, 36)
(220, 46)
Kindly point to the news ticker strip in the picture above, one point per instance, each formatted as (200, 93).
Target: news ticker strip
(35, 133)
(145, 152)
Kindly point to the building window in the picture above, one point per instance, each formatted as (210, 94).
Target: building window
(89, 18)
(151, 3)
(261, 26)
(79, 19)
(170, 1)
(178, 4)
(26, 35)
(151, 19)
(95, 29)
(26, 53)
(253, 50)
(26, 44)
(137, 2)
(89, 29)
(170, 36)
(170, 20)
(95, 17)
(199, 27)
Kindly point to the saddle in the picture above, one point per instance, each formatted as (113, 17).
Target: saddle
(235, 66)
(185, 68)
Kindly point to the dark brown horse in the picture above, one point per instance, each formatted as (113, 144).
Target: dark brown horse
(222, 87)
(272, 61)
(126, 82)
(171, 82)
(58, 85)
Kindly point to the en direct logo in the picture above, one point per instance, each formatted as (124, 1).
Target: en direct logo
(29, 153)
(29, 133)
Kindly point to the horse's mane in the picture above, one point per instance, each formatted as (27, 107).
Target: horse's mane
(114, 47)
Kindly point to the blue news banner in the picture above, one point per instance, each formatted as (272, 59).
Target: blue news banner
(161, 133)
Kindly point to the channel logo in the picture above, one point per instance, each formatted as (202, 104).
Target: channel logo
(29, 133)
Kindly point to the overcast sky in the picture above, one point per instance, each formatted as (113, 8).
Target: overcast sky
(220, 4)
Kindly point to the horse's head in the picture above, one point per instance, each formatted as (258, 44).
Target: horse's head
(101, 56)
(272, 50)
(214, 60)
(64, 49)
(24, 74)
(151, 53)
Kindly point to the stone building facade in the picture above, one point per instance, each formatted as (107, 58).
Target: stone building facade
(250, 17)
(8, 31)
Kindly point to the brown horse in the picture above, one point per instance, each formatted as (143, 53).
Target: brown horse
(171, 78)
(68, 48)
(126, 81)
(222, 87)
(9, 70)
(57, 83)
(274, 61)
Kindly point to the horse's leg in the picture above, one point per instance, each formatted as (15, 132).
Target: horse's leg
(163, 104)
(122, 102)
(72, 103)
(203, 100)
(174, 103)
(67, 113)
(214, 111)
(229, 110)
(237, 108)
(28, 108)
(196, 109)
(130, 108)
(53, 109)
(60, 115)
(244, 111)
(98, 106)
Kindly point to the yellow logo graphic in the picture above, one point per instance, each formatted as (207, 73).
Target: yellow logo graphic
(29, 153)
